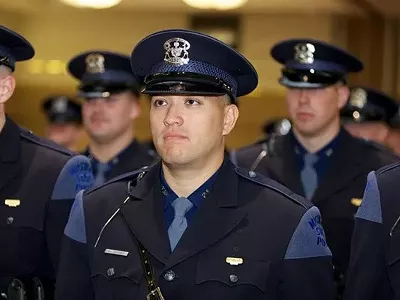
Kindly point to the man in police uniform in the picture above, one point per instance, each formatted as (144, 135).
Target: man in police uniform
(247, 237)
(369, 114)
(111, 104)
(318, 158)
(64, 121)
(38, 182)
(374, 269)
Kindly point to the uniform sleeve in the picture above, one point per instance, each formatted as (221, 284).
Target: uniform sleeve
(73, 278)
(366, 276)
(307, 266)
(76, 175)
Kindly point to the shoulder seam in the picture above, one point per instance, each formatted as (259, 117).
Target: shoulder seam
(28, 135)
(387, 168)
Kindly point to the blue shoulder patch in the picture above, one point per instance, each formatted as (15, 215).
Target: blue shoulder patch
(76, 228)
(370, 208)
(75, 176)
(273, 185)
(308, 240)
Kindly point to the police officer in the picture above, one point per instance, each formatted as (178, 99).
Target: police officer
(374, 271)
(252, 155)
(64, 121)
(318, 158)
(369, 113)
(111, 104)
(38, 182)
(193, 226)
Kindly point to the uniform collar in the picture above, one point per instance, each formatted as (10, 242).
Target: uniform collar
(9, 141)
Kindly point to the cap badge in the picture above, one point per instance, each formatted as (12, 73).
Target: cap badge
(95, 63)
(304, 53)
(176, 51)
(59, 106)
(358, 97)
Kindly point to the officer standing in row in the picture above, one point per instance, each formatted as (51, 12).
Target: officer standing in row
(318, 158)
(111, 95)
(193, 226)
(38, 182)
(64, 121)
(369, 114)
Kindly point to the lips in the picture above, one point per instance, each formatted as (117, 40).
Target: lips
(174, 136)
(304, 115)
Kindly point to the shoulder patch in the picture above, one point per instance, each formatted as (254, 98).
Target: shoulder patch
(370, 208)
(76, 228)
(28, 135)
(75, 176)
(308, 240)
(273, 185)
(131, 175)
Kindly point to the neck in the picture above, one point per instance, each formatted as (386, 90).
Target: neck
(314, 143)
(2, 118)
(184, 180)
(104, 152)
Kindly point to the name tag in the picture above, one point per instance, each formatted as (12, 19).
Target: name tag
(12, 202)
(234, 261)
(116, 252)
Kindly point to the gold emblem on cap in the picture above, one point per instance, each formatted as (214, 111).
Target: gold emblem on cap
(356, 201)
(95, 63)
(234, 261)
(304, 53)
(358, 97)
(12, 202)
(176, 51)
(177, 88)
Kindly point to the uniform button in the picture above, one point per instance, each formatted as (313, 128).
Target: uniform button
(236, 249)
(110, 272)
(169, 275)
(240, 231)
(252, 174)
(10, 220)
(233, 278)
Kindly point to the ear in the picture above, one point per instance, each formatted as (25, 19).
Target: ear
(231, 114)
(7, 87)
(135, 108)
(343, 95)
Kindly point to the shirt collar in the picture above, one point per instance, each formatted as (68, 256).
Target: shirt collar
(196, 197)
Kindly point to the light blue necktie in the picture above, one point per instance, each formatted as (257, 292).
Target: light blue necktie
(308, 175)
(179, 224)
(101, 169)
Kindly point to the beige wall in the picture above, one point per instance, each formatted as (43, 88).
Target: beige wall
(62, 35)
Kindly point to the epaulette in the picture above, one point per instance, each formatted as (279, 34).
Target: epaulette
(131, 176)
(273, 185)
(388, 168)
(30, 136)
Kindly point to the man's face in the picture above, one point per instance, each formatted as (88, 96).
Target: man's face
(107, 118)
(66, 135)
(373, 131)
(312, 111)
(189, 129)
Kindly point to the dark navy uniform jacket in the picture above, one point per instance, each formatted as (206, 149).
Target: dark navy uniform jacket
(134, 157)
(374, 270)
(277, 234)
(38, 183)
(340, 189)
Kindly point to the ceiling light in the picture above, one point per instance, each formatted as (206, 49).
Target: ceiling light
(98, 4)
(215, 4)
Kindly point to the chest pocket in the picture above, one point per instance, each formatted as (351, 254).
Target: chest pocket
(115, 276)
(22, 227)
(217, 277)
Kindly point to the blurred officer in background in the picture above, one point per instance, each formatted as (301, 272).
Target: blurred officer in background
(318, 158)
(110, 94)
(38, 182)
(64, 121)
